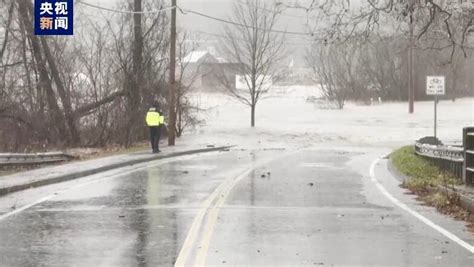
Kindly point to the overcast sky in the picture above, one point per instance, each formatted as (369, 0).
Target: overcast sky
(292, 20)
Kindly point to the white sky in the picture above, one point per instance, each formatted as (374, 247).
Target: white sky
(295, 21)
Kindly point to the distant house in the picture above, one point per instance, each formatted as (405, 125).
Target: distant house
(200, 57)
(203, 70)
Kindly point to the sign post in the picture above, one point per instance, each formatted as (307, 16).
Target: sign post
(435, 86)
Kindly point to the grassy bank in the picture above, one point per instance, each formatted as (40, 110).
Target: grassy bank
(424, 179)
(423, 175)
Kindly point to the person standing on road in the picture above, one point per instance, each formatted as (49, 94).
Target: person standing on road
(154, 120)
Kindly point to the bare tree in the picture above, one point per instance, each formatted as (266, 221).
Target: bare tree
(186, 111)
(381, 66)
(255, 49)
(83, 89)
(343, 19)
(334, 67)
(385, 28)
(139, 48)
(25, 9)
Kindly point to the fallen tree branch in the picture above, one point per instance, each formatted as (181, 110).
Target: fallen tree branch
(88, 108)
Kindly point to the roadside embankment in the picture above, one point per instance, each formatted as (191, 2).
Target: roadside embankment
(432, 185)
(50, 175)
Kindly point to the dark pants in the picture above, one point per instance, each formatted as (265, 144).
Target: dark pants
(155, 138)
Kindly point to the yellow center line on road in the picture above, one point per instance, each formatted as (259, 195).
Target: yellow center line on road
(192, 236)
(212, 219)
(194, 230)
(212, 206)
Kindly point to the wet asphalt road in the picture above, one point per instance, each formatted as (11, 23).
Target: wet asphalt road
(228, 208)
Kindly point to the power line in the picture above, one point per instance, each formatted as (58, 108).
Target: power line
(271, 11)
(226, 37)
(127, 11)
(185, 11)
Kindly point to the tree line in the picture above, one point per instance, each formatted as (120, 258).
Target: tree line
(364, 54)
(93, 88)
(89, 89)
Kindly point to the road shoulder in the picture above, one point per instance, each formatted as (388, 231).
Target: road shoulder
(74, 170)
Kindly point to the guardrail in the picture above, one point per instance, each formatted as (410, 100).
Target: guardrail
(468, 143)
(33, 158)
(448, 158)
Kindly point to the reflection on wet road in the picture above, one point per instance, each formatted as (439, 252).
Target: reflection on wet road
(307, 208)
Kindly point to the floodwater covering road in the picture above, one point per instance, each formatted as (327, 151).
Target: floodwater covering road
(274, 207)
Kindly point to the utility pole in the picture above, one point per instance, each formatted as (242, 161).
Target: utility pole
(172, 80)
(134, 83)
(411, 62)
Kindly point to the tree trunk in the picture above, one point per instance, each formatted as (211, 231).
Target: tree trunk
(7, 30)
(65, 99)
(179, 115)
(24, 8)
(252, 114)
(27, 70)
(455, 85)
(90, 107)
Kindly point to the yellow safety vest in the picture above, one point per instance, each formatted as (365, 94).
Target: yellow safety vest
(154, 119)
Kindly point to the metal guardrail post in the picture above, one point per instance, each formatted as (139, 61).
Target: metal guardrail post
(468, 144)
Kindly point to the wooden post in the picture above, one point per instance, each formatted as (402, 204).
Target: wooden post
(172, 80)
(411, 64)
